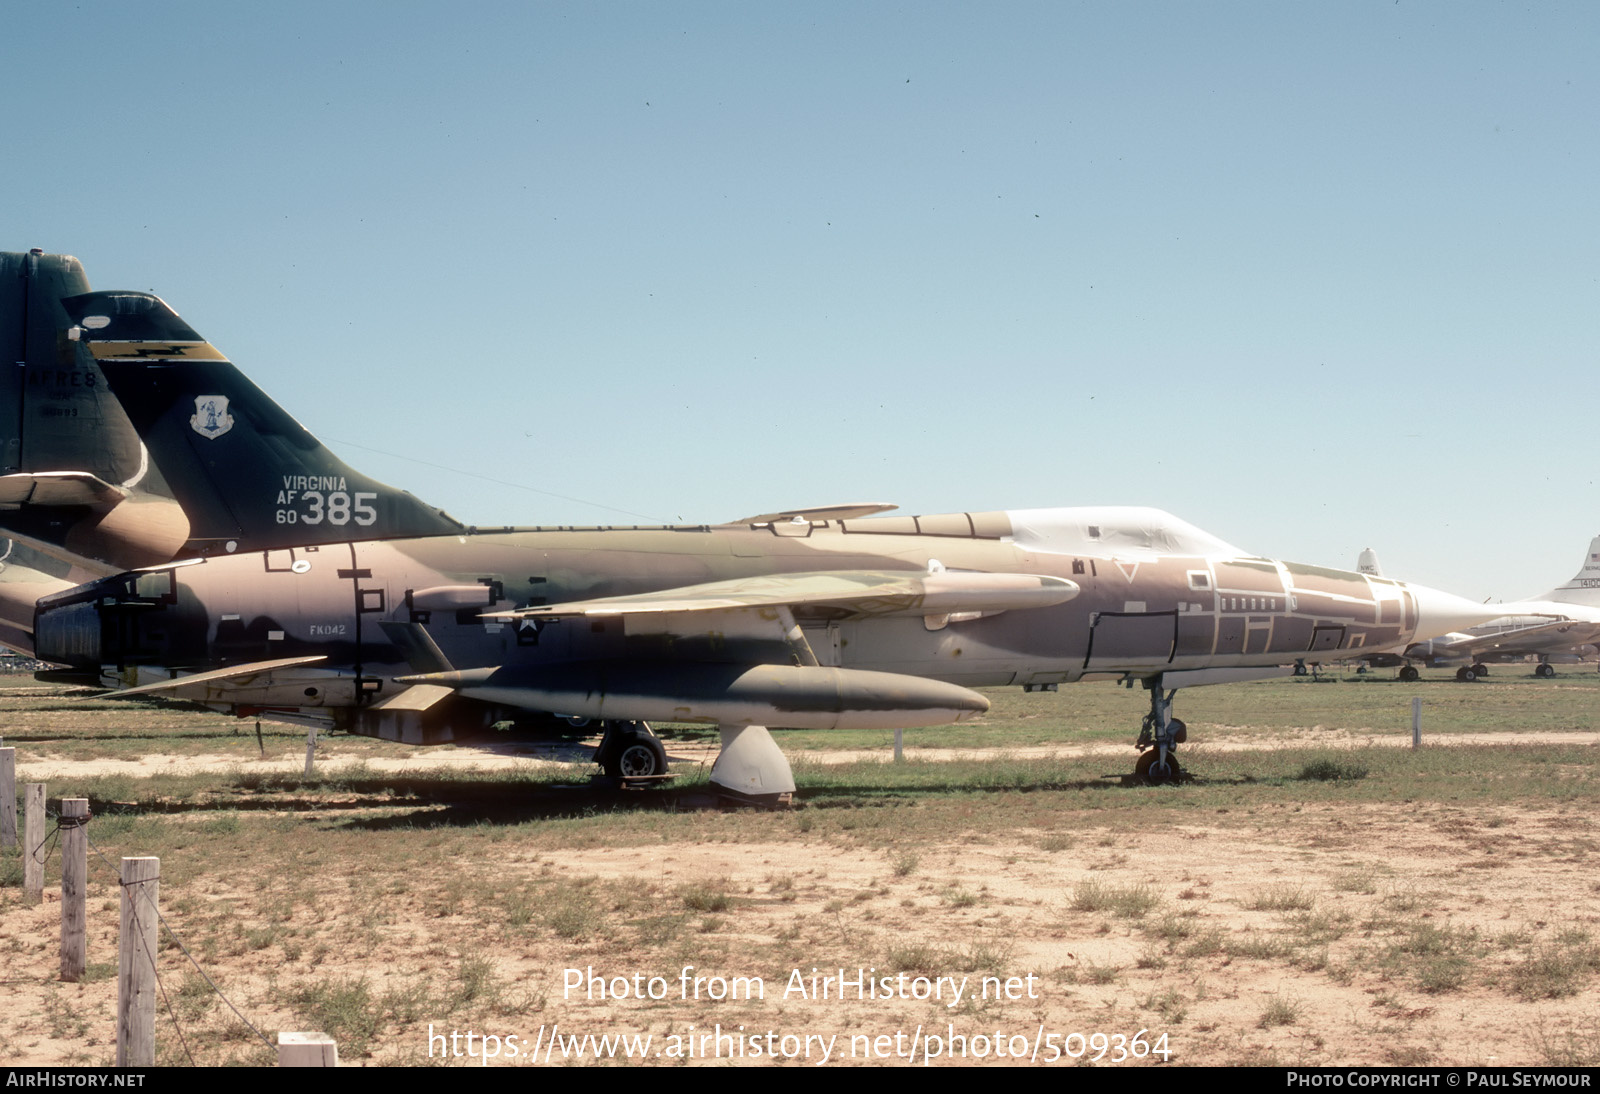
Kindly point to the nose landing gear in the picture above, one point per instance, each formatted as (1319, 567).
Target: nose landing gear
(1160, 735)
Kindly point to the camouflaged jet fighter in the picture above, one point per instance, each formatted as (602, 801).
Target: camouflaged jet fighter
(808, 618)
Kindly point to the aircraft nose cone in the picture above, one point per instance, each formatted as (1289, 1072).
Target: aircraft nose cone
(1440, 613)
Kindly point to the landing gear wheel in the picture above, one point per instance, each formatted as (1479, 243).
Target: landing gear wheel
(1151, 770)
(1159, 734)
(1481, 670)
(637, 753)
(1465, 674)
(1409, 674)
(1545, 671)
(641, 758)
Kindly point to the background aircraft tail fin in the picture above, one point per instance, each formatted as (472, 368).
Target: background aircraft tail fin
(75, 481)
(56, 413)
(245, 472)
(1584, 586)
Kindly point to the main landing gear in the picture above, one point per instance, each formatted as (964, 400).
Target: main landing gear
(1468, 673)
(1409, 674)
(1160, 735)
(750, 768)
(1545, 670)
(629, 750)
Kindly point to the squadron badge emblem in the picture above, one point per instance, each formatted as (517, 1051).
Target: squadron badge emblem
(211, 418)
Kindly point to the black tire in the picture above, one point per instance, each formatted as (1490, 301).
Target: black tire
(1146, 769)
(1481, 670)
(642, 757)
(1466, 675)
(1545, 671)
(639, 753)
(1409, 674)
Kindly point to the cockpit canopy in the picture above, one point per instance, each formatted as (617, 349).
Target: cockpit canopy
(1124, 530)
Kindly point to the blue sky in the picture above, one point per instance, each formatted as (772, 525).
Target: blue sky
(1313, 277)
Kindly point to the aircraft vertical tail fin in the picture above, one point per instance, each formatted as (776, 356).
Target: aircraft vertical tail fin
(75, 481)
(247, 474)
(56, 413)
(1584, 586)
(32, 285)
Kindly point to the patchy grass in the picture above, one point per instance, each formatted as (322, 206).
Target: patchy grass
(1282, 898)
(1332, 770)
(1557, 968)
(1130, 901)
(1280, 1011)
(378, 903)
(706, 896)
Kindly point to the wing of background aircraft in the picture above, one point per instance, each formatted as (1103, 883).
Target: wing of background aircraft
(1555, 625)
(1538, 638)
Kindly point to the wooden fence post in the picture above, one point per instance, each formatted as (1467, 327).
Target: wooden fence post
(136, 963)
(8, 797)
(33, 836)
(74, 885)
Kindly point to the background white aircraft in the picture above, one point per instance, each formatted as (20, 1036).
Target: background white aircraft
(1561, 626)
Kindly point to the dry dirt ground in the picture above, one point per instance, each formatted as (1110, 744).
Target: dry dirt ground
(1278, 932)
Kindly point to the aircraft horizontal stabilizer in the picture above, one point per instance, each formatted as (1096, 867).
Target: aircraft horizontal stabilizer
(847, 511)
(234, 672)
(860, 592)
(58, 488)
(787, 696)
(417, 697)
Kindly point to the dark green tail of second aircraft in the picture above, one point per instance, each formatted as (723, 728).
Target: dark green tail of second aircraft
(247, 474)
(127, 440)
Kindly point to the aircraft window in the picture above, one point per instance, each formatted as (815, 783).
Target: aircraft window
(1199, 579)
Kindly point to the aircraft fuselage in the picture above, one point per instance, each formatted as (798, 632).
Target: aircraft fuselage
(365, 608)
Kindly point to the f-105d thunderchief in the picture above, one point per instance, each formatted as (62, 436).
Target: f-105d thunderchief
(831, 617)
